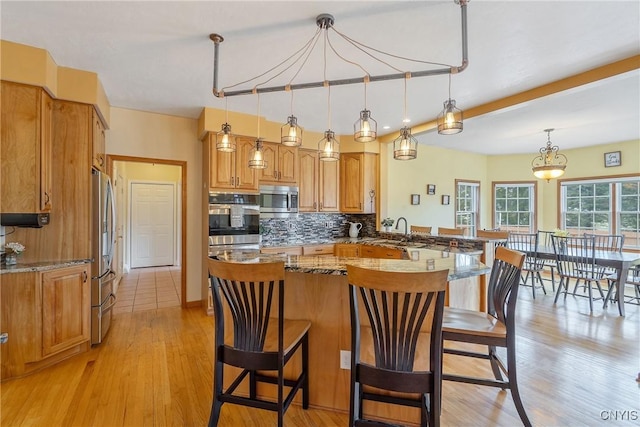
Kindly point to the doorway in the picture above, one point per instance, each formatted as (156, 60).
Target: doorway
(148, 185)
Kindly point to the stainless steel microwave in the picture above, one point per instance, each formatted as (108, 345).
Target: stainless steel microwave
(278, 201)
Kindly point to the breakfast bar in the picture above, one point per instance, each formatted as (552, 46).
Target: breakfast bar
(317, 290)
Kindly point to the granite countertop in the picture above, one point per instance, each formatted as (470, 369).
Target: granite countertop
(26, 267)
(459, 265)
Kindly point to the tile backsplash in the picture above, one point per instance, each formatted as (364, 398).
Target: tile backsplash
(313, 227)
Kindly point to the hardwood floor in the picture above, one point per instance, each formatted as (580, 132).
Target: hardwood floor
(155, 368)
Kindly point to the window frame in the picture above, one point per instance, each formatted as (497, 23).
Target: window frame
(476, 214)
(534, 195)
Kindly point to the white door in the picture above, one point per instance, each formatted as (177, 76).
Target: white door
(152, 224)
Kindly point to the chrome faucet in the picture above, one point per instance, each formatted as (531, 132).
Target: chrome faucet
(405, 224)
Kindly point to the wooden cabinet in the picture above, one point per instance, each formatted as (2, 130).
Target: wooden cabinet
(285, 250)
(25, 147)
(347, 250)
(359, 182)
(46, 316)
(322, 249)
(282, 164)
(98, 142)
(318, 183)
(231, 170)
(368, 251)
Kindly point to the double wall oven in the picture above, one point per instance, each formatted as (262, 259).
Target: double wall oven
(234, 222)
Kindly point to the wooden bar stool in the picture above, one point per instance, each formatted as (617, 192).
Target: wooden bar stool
(260, 343)
(450, 231)
(419, 229)
(398, 308)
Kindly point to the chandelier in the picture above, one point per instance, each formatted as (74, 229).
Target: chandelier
(549, 164)
(365, 127)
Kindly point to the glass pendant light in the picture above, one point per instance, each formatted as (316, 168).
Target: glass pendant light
(549, 164)
(291, 133)
(365, 129)
(256, 157)
(329, 147)
(450, 118)
(405, 146)
(225, 140)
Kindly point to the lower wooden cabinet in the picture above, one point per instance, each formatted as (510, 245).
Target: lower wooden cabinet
(285, 250)
(323, 249)
(347, 250)
(367, 251)
(46, 316)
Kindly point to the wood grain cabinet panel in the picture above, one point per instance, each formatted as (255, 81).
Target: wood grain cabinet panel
(231, 170)
(319, 182)
(25, 144)
(368, 251)
(359, 181)
(322, 249)
(285, 250)
(347, 250)
(282, 164)
(98, 142)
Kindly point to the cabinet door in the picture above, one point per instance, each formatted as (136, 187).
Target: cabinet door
(246, 178)
(288, 164)
(66, 308)
(328, 189)
(347, 250)
(368, 251)
(325, 249)
(270, 154)
(98, 138)
(308, 191)
(46, 143)
(351, 170)
(221, 166)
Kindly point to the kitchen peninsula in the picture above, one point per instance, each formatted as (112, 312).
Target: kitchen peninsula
(317, 290)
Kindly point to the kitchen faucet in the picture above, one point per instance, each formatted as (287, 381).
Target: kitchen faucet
(405, 224)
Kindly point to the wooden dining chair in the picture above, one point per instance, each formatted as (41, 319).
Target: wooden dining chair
(576, 259)
(544, 239)
(250, 294)
(450, 231)
(533, 265)
(394, 317)
(496, 328)
(604, 243)
(419, 229)
(633, 279)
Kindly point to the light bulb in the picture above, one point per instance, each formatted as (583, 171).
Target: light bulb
(292, 132)
(365, 130)
(405, 145)
(450, 119)
(257, 156)
(225, 139)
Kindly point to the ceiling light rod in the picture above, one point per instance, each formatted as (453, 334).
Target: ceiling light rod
(325, 21)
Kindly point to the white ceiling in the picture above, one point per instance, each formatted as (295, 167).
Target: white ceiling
(157, 56)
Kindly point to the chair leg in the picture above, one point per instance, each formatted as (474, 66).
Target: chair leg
(252, 384)
(494, 364)
(305, 370)
(560, 285)
(513, 385)
(588, 283)
(553, 280)
(609, 294)
(216, 405)
(541, 283)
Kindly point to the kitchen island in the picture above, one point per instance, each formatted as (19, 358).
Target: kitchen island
(317, 290)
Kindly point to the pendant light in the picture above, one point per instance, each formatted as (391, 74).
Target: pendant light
(365, 129)
(549, 164)
(450, 119)
(329, 147)
(225, 140)
(405, 146)
(256, 157)
(291, 133)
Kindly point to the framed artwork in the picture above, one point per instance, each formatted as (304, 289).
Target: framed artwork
(445, 199)
(613, 158)
(415, 199)
(431, 189)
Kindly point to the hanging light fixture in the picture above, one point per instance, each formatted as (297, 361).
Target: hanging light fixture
(329, 147)
(450, 119)
(256, 157)
(405, 146)
(291, 133)
(549, 164)
(365, 129)
(225, 140)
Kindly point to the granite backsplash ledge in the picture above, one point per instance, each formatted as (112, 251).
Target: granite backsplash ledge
(313, 227)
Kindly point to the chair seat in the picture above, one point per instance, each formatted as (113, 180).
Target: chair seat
(458, 320)
(294, 330)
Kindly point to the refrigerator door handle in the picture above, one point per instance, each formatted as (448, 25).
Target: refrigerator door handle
(112, 229)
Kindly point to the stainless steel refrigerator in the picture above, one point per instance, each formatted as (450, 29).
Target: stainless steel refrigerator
(102, 242)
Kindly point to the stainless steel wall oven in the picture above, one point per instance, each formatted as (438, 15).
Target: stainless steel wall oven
(234, 222)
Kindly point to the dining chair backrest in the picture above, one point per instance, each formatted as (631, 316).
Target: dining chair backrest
(544, 238)
(450, 231)
(607, 242)
(528, 244)
(502, 291)
(576, 256)
(419, 229)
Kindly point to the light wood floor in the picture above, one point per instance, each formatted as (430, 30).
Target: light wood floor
(155, 369)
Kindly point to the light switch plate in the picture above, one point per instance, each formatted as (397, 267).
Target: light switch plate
(345, 359)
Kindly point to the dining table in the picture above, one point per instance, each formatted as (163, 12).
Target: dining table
(620, 261)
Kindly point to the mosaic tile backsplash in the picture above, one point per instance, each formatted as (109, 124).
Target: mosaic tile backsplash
(312, 227)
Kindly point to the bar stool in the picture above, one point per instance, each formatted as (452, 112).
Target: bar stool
(260, 343)
(442, 231)
(397, 309)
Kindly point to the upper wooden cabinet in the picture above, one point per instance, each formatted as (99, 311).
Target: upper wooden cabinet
(359, 182)
(231, 170)
(25, 147)
(282, 164)
(98, 138)
(318, 183)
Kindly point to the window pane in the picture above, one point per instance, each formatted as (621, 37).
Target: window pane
(512, 205)
(523, 192)
(602, 204)
(571, 220)
(573, 190)
(501, 205)
(602, 189)
(629, 203)
(501, 192)
(523, 205)
(586, 190)
(586, 220)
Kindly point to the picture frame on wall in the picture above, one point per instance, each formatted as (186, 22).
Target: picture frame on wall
(431, 189)
(613, 158)
(445, 199)
(415, 199)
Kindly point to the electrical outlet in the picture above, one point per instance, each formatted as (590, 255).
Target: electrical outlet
(4, 337)
(345, 359)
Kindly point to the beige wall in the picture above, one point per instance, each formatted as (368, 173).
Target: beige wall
(140, 134)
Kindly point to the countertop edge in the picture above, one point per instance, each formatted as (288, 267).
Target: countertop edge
(40, 266)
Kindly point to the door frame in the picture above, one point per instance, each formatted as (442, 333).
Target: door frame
(183, 211)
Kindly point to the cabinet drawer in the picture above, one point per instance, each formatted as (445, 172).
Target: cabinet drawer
(347, 250)
(317, 250)
(286, 250)
(367, 251)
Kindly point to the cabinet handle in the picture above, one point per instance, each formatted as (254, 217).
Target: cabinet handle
(320, 205)
(100, 160)
(232, 180)
(315, 205)
(47, 199)
(275, 174)
(360, 205)
(84, 277)
(279, 175)
(237, 180)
